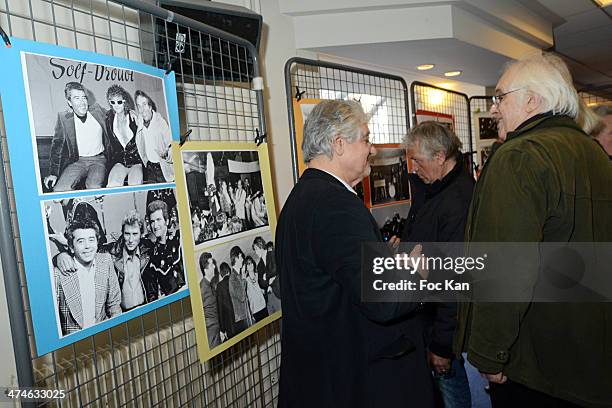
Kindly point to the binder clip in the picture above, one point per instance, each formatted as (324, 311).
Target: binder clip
(5, 38)
(298, 94)
(260, 137)
(184, 137)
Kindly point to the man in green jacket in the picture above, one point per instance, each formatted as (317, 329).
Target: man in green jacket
(548, 182)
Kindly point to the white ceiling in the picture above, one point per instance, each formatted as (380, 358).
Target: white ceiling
(479, 66)
(585, 40)
(581, 30)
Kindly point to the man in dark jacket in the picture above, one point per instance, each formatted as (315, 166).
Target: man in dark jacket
(208, 268)
(80, 145)
(338, 351)
(441, 196)
(548, 182)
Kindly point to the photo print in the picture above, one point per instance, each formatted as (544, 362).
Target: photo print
(239, 288)
(487, 127)
(111, 255)
(94, 125)
(225, 193)
(441, 118)
(389, 176)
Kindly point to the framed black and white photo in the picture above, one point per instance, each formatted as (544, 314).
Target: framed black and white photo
(112, 257)
(388, 180)
(228, 219)
(60, 105)
(239, 288)
(94, 125)
(225, 192)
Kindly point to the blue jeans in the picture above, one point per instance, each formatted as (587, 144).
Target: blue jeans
(92, 169)
(454, 387)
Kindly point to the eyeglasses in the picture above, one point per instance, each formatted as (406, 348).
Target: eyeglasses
(497, 99)
(116, 102)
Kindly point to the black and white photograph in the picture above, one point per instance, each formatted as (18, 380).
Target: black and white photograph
(487, 127)
(96, 126)
(225, 192)
(389, 176)
(239, 286)
(111, 254)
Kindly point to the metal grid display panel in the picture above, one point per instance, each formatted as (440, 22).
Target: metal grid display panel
(152, 360)
(430, 98)
(382, 95)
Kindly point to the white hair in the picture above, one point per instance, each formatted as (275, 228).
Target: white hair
(327, 120)
(547, 76)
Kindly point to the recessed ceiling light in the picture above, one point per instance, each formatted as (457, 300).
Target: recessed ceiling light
(425, 67)
(452, 73)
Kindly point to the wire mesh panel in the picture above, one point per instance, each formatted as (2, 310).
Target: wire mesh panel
(383, 96)
(152, 359)
(592, 100)
(429, 101)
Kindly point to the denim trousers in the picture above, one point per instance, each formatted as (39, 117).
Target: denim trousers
(454, 387)
(92, 169)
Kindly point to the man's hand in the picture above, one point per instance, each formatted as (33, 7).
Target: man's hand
(416, 253)
(223, 336)
(65, 264)
(439, 364)
(50, 181)
(498, 378)
(393, 244)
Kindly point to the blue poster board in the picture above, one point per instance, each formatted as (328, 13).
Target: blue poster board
(74, 159)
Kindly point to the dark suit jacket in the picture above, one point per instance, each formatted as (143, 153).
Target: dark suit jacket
(438, 214)
(64, 146)
(268, 270)
(336, 350)
(225, 308)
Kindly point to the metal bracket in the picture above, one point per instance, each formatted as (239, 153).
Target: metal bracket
(260, 137)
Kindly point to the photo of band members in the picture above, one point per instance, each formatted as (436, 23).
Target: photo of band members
(225, 193)
(96, 126)
(239, 286)
(111, 254)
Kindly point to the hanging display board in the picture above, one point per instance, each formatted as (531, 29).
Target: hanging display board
(387, 192)
(228, 220)
(89, 145)
(486, 129)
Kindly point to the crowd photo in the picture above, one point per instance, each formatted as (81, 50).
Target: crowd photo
(96, 126)
(239, 285)
(225, 192)
(111, 254)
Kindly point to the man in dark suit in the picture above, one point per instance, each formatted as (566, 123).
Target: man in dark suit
(338, 351)
(441, 195)
(80, 144)
(267, 275)
(208, 269)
